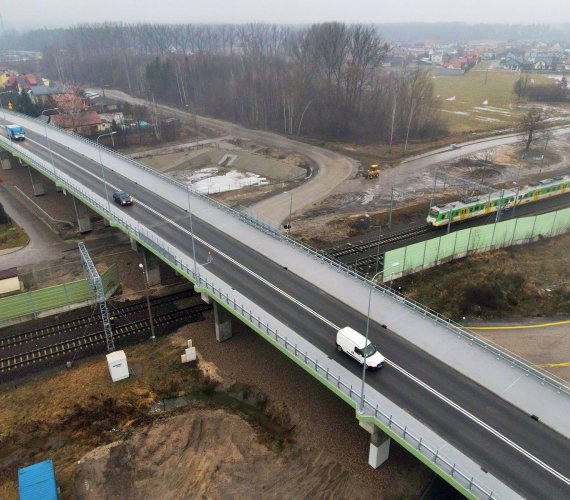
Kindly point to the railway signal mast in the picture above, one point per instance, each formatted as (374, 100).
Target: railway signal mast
(98, 293)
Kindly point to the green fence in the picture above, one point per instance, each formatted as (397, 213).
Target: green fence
(425, 254)
(53, 297)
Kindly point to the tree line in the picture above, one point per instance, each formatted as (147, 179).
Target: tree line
(323, 80)
(525, 88)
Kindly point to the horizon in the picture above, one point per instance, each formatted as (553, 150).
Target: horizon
(64, 14)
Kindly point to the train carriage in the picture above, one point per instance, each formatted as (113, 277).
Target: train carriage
(479, 206)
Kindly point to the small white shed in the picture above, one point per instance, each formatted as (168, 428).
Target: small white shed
(118, 367)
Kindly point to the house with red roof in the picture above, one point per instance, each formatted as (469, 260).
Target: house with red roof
(86, 123)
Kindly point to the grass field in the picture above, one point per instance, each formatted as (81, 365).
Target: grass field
(462, 98)
(11, 237)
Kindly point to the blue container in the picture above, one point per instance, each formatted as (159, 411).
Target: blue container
(37, 482)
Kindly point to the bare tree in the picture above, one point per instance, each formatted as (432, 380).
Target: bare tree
(531, 124)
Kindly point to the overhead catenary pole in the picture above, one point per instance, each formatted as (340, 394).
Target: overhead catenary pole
(98, 291)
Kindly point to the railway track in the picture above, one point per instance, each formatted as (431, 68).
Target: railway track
(94, 339)
(85, 322)
(350, 254)
(352, 249)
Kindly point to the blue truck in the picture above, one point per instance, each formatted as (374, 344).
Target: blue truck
(15, 132)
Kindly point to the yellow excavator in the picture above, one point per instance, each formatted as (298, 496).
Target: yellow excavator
(373, 171)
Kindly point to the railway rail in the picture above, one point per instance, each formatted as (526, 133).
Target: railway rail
(91, 320)
(122, 332)
(362, 256)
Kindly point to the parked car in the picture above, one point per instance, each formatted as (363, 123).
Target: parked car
(122, 198)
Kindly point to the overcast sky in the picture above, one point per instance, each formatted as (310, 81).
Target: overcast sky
(60, 13)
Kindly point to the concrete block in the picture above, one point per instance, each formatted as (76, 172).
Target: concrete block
(183, 358)
(190, 354)
(190, 343)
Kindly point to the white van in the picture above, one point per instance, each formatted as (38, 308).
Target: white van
(354, 344)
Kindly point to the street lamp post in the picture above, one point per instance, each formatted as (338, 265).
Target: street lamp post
(103, 168)
(290, 211)
(394, 265)
(143, 269)
(1, 105)
(47, 139)
(192, 236)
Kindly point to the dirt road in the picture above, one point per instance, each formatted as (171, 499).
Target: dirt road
(332, 169)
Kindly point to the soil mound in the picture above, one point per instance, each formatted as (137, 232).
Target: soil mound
(207, 454)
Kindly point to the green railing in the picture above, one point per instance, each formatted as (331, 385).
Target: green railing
(425, 254)
(53, 297)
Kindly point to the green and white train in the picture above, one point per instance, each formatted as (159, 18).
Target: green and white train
(483, 205)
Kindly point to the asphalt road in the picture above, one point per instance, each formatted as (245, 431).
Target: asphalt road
(331, 169)
(495, 456)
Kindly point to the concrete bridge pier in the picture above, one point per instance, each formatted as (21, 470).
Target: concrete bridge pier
(379, 445)
(222, 319)
(134, 244)
(83, 218)
(152, 265)
(37, 182)
(6, 160)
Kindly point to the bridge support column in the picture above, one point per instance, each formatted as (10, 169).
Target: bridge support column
(223, 320)
(379, 445)
(6, 160)
(134, 244)
(83, 219)
(37, 182)
(152, 268)
(106, 222)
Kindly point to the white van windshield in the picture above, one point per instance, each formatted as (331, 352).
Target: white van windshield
(369, 350)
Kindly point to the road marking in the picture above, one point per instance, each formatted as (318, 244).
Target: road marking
(490, 429)
(440, 396)
(517, 327)
(553, 365)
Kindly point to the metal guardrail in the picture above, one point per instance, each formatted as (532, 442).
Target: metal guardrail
(371, 407)
(372, 410)
(455, 328)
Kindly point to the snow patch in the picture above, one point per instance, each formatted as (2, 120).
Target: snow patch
(487, 119)
(451, 98)
(464, 113)
(367, 197)
(491, 109)
(214, 180)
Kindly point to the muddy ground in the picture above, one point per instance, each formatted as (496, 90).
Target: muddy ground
(274, 432)
(288, 424)
(331, 220)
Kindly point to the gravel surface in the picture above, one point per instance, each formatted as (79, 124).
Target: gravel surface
(322, 420)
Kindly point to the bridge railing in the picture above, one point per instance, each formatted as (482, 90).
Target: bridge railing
(514, 360)
(322, 372)
(371, 407)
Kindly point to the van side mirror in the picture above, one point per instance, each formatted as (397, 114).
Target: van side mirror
(358, 351)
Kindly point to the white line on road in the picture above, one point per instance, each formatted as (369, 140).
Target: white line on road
(440, 396)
